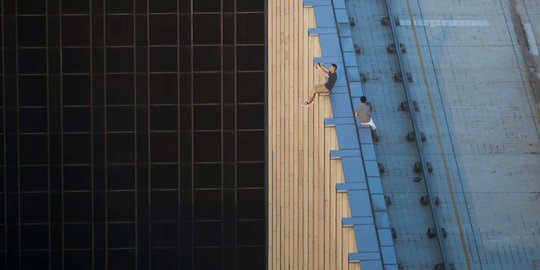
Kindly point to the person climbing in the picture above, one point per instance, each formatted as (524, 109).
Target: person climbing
(364, 111)
(331, 76)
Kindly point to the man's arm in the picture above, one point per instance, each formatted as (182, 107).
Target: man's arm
(322, 70)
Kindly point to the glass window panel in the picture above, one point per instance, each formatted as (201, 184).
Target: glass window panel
(207, 146)
(207, 117)
(33, 120)
(162, 6)
(121, 177)
(250, 28)
(34, 178)
(163, 88)
(185, 88)
(77, 119)
(250, 87)
(122, 259)
(75, 31)
(34, 260)
(207, 58)
(185, 118)
(76, 89)
(120, 148)
(250, 116)
(229, 93)
(229, 120)
(34, 208)
(165, 258)
(121, 206)
(250, 57)
(34, 237)
(250, 204)
(251, 233)
(163, 118)
(228, 5)
(228, 29)
(31, 6)
(207, 29)
(32, 61)
(78, 207)
(252, 146)
(77, 177)
(164, 147)
(120, 118)
(75, 7)
(207, 175)
(164, 234)
(76, 60)
(207, 258)
(207, 233)
(206, 87)
(121, 235)
(250, 5)
(119, 6)
(164, 176)
(164, 205)
(207, 204)
(119, 30)
(163, 29)
(31, 31)
(33, 149)
(33, 90)
(185, 59)
(78, 235)
(229, 146)
(207, 6)
(251, 257)
(120, 89)
(251, 174)
(119, 59)
(77, 148)
(185, 147)
(78, 259)
(163, 59)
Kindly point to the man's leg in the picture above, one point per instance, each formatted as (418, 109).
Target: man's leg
(312, 96)
(373, 129)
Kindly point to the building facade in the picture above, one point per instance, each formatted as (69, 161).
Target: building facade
(133, 134)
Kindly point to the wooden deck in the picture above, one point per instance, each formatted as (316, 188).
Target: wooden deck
(305, 211)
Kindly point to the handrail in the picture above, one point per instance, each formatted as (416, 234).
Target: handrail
(417, 134)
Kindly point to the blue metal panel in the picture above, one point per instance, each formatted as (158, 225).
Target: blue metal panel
(344, 29)
(359, 203)
(346, 136)
(371, 265)
(375, 185)
(347, 45)
(350, 221)
(328, 60)
(341, 105)
(344, 187)
(311, 3)
(340, 90)
(385, 236)
(330, 45)
(378, 202)
(356, 90)
(341, 15)
(353, 75)
(350, 59)
(381, 220)
(366, 238)
(365, 134)
(324, 15)
(353, 169)
(338, 154)
(368, 152)
(321, 31)
(329, 122)
(339, 3)
(364, 256)
(389, 255)
(372, 169)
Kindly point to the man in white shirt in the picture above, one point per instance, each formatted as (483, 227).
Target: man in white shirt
(364, 112)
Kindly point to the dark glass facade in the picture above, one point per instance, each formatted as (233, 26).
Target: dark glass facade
(133, 134)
